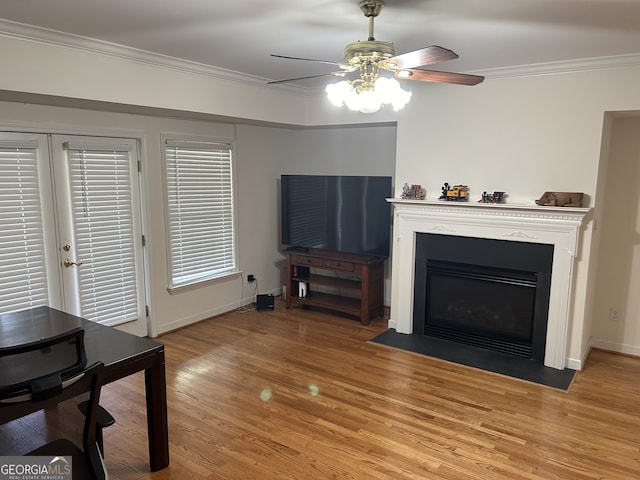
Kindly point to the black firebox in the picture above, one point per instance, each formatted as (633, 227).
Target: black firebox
(485, 293)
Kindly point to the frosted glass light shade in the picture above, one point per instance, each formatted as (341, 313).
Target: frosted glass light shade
(385, 91)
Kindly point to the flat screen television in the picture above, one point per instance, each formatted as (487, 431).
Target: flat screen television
(340, 213)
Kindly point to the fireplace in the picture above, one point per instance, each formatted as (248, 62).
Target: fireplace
(557, 229)
(491, 294)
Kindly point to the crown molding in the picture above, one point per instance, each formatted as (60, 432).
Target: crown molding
(46, 36)
(565, 66)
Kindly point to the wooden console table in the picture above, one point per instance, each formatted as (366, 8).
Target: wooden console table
(355, 282)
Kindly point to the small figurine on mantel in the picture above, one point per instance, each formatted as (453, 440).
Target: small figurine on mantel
(445, 189)
(561, 199)
(495, 197)
(413, 191)
(455, 193)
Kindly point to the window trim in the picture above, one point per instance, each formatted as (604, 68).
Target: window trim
(183, 140)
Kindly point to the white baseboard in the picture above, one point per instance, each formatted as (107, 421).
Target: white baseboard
(578, 363)
(183, 322)
(616, 347)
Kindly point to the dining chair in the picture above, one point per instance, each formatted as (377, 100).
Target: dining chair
(104, 420)
(43, 373)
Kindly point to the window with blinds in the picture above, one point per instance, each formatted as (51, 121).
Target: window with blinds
(23, 283)
(102, 211)
(201, 230)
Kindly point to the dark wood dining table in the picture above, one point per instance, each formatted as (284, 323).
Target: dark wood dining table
(122, 354)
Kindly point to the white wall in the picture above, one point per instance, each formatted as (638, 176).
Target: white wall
(618, 277)
(82, 73)
(493, 137)
(348, 150)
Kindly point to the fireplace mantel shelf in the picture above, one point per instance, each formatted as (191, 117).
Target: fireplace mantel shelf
(480, 208)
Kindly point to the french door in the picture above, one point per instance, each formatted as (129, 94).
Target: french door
(73, 238)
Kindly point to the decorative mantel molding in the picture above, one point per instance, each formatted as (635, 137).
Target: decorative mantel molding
(536, 212)
(557, 226)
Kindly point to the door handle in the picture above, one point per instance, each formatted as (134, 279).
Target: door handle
(68, 263)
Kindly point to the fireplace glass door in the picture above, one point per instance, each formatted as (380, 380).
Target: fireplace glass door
(486, 307)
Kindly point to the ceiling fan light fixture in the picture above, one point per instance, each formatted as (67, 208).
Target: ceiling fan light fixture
(353, 96)
(367, 101)
(403, 73)
(368, 97)
(338, 92)
(392, 93)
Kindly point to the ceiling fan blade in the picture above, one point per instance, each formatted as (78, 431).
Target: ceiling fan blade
(341, 73)
(440, 77)
(342, 65)
(424, 56)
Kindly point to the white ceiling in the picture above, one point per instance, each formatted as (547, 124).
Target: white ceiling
(240, 35)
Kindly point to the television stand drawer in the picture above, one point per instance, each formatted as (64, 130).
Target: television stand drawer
(306, 260)
(339, 265)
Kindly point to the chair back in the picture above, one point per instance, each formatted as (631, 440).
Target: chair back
(39, 367)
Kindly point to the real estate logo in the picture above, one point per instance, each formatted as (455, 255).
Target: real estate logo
(35, 468)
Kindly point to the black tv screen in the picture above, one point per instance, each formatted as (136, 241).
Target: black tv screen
(340, 213)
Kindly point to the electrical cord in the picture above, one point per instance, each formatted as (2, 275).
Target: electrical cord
(251, 306)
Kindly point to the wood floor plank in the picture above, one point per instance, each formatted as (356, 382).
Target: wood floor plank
(294, 394)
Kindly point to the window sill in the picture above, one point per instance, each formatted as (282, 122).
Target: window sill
(173, 290)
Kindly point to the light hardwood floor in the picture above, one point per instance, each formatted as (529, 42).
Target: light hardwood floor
(297, 394)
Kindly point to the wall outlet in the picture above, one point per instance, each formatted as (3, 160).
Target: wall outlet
(614, 315)
(251, 278)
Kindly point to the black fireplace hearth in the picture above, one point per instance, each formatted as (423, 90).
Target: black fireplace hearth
(479, 358)
(484, 293)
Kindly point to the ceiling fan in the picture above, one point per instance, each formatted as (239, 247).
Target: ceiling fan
(372, 56)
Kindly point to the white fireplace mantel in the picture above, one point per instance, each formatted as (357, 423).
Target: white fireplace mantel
(560, 227)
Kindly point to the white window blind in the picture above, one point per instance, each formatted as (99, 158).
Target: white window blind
(23, 279)
(200, 211)
(102, 210)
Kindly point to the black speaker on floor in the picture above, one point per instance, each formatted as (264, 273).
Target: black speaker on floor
(265, 302)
